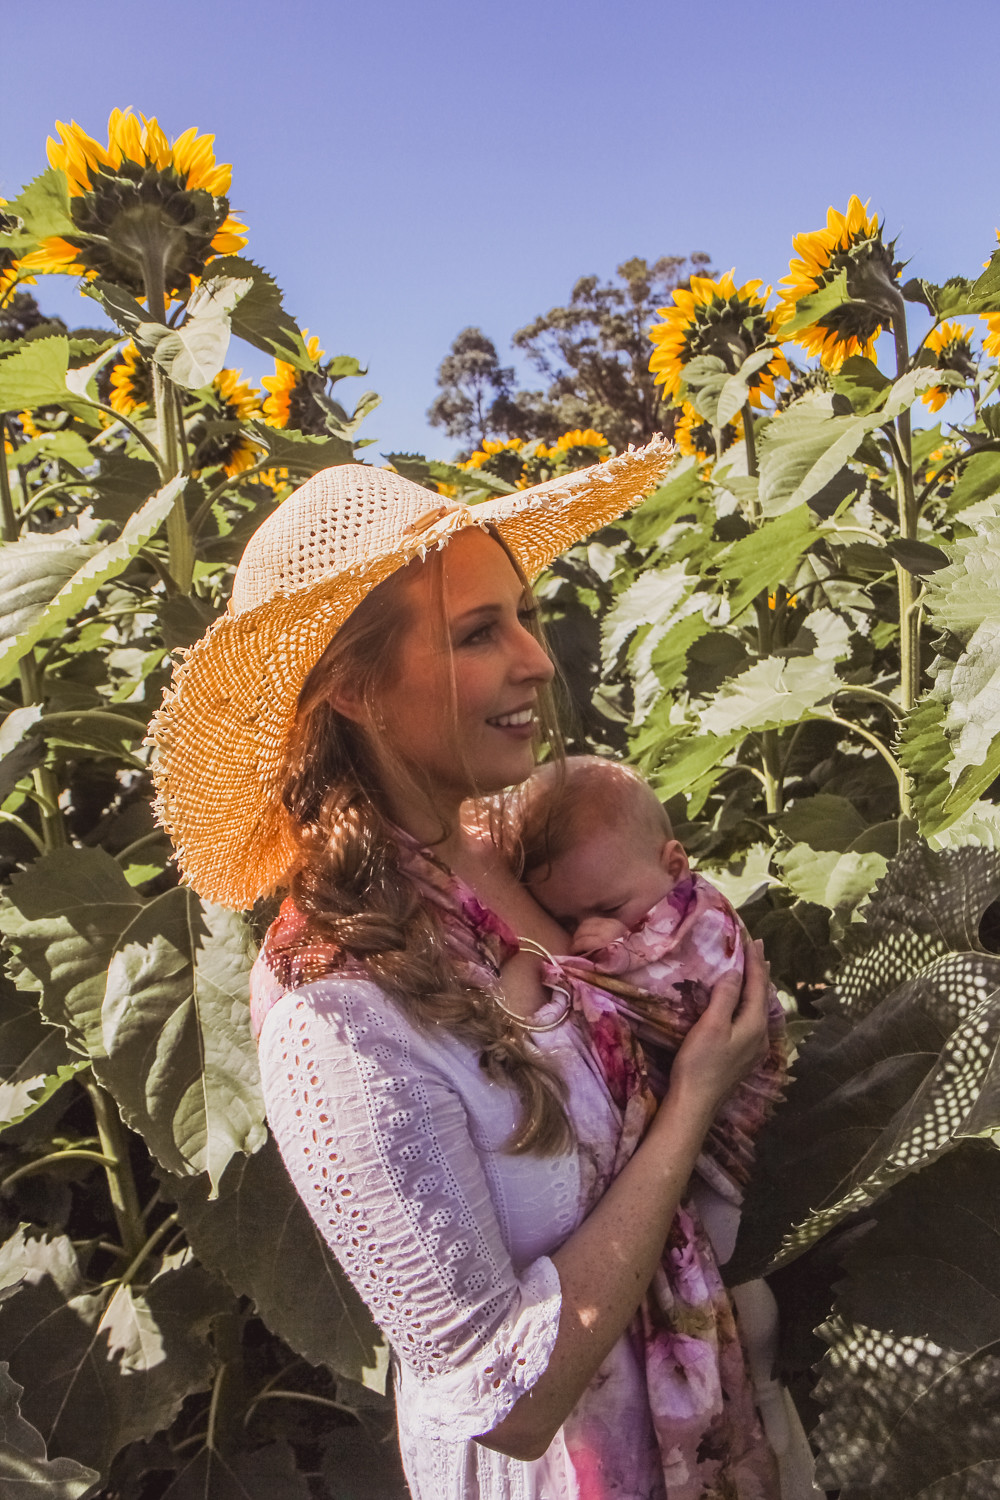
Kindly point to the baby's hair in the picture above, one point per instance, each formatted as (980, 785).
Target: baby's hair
(563, 801)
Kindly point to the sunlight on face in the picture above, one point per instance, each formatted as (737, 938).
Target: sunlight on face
(461, 711)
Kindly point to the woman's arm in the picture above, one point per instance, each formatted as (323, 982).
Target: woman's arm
(608, 1262)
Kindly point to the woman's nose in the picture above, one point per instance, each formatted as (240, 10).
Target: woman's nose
(535, 664)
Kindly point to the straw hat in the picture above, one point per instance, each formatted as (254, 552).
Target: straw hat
(221, 731)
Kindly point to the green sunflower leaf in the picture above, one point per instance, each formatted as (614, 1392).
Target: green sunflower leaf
(20, 749)
(120, 306)
(819, 304)
(48, 593)
(71, 447)
(193, 354)
(684, 493)
(772, 693)
(803, 449)
(267, 1473)
(121, 486)
(736, 390)
(35, 1060)
(258, 1235)
(916, 557)
(260, 319)
(824, 822)
(117, 1362)
(893, 1071)
(177, 1051)
(61, 919)
(979, 479)
(862, 382)
(26, 1471)
(766, 557)
(828, 878)
(300, 454)
(985, 294)
(36, 376)
(44, 207)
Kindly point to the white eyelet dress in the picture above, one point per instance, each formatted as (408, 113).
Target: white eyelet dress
(393, 1138)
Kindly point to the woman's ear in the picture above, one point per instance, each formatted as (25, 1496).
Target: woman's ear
(347, 700)
(674, 860)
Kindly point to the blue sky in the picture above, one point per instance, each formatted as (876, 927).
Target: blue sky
(408, 167)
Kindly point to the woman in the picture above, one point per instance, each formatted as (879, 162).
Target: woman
(469, 1128)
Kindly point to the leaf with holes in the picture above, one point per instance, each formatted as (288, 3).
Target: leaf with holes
(892, 1074)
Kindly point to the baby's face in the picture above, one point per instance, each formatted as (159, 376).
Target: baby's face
(609, 875)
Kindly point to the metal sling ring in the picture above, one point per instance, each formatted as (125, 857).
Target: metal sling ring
(528, 945)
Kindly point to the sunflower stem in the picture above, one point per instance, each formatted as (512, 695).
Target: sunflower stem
(909, 614)
(180, 545)
(749, 441)
(121, 1183)
(46, 787)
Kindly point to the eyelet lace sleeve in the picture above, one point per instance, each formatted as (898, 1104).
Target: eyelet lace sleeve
(376, 1139)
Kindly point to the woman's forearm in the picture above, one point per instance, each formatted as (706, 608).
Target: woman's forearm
(604, 1269)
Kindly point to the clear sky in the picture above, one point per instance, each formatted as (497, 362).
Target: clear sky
(408, 167)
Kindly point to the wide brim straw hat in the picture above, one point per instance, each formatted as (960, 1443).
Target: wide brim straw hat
(222, 729)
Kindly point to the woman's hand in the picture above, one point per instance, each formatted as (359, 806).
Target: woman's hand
(730, 1039)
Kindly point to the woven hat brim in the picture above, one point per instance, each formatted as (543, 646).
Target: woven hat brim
(221, 731)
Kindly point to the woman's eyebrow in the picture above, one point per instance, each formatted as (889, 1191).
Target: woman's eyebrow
(480, 611)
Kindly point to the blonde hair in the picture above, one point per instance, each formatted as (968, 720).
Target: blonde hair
(347, 878)
(566, 799)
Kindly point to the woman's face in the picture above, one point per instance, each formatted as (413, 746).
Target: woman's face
(461, 709)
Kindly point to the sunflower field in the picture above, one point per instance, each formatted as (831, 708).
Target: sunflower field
(797, 638)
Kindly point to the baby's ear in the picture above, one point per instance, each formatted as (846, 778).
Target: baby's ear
(674, 860)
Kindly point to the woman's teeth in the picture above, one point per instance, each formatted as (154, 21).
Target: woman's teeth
(508, 721)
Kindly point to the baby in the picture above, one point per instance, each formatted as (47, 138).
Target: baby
(600, 856)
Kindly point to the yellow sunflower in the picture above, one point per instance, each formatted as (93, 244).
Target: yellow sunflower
(716, 317)
(144, 210)
(131, 382)
(951, 345)
(291, 402)
(232, 451)
(693, 435)
(851, 242)
(500, 458)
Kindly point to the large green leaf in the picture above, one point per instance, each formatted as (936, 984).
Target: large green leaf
(259, 1236)
(819, 303)
(62, 918)
(193, 354)
(260, 317)
(34, 1058)
(766, 557)
(300, 454)
(888, 1080)
(105, 1365)
(978, 479)
(36, 376)
(71, 447)
(736, 390)
(26, 1471)
(802, 449)
(44, 207)
(911, 1382)
(178, 1054)
(54, 597)
(829, 878)
(683, 493)
(267, 1473)
(773, 692)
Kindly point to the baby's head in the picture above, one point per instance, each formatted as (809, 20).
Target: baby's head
(596, 842)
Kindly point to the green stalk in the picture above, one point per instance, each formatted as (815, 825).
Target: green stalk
(180, 545)
(121, 1183)
(770, 744)
(909, 605)
(46, 786)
